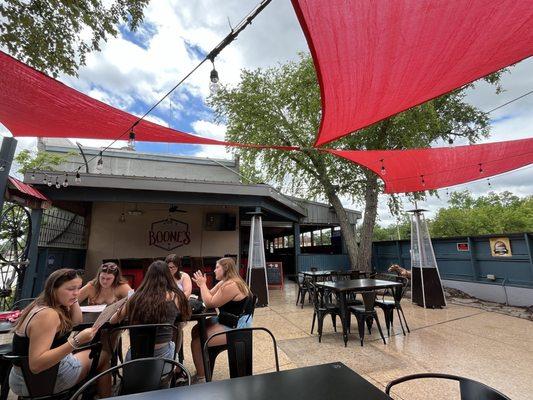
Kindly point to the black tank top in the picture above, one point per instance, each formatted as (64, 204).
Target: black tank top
(21, 344)
(235, 307)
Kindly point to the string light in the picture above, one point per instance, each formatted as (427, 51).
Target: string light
(49, 183)
(488, 182)
(65, 182)
(33, 175)
(383, 170)
(45, 181)
(213, 77)
(480, 168)
(131, 141)
(58, 185)
(2, 167)
(78, 176)
(100, 163)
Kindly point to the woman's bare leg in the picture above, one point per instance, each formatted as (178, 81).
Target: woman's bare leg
(197, 350)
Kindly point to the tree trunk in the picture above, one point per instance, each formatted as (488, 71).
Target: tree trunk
(364, 256)
(347, 230)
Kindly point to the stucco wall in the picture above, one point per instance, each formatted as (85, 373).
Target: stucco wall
(110, 238)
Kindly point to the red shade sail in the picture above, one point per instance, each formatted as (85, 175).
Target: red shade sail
(424, 169)
(33, 104)
(377, 58)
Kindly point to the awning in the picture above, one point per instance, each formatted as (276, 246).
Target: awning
(377, 58)
(416, 170)
(26, 189)
(33, 104)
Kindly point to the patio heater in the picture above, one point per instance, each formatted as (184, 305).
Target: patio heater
(426, 286)
(256, 275)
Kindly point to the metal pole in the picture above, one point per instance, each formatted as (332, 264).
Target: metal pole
(7, 152)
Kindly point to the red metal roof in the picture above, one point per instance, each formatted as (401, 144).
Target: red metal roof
(28, 190)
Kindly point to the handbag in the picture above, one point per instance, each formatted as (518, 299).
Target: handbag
(228, 319)
(197, 306)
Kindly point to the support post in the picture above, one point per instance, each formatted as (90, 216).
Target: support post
(297, 250)
(7, 152)
(30, 274)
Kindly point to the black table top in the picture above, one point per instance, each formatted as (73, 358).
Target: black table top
(358, 285)
(320, 382)
(317, 273)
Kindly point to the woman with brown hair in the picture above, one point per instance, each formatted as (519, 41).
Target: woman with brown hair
(42, 334)
(157, 301)
(232, 296)
(183, 280)
(108, 287)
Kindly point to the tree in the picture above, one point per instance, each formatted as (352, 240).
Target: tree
(55, 36)
(42, 160)
(493, 213)
(281, 106)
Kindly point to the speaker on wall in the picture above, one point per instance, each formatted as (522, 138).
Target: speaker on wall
(220, 222)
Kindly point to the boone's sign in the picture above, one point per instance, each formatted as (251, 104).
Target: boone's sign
(169, 234)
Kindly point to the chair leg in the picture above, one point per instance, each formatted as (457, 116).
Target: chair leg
(379, 327)
(313, 324)
(361, 326)
(404, 320)
(320, 325)
(6, 369)
(334, 320)
(369, 322)
(298, 295)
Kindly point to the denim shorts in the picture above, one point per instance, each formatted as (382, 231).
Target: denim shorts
(68, 375)
(166, 351)
(245, 321)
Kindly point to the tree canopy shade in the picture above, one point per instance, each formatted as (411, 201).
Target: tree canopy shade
(415, 170)
(33, 104)
(375, 59)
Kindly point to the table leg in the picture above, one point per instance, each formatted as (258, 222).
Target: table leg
(203, 338)
(344, 317)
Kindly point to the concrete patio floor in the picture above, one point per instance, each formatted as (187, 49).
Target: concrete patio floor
(493, 348)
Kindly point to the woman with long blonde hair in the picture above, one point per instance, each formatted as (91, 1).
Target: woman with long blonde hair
(232, 296)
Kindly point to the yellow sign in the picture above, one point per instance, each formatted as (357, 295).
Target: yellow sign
(500, 247)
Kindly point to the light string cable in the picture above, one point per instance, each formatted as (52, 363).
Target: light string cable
(210, 56)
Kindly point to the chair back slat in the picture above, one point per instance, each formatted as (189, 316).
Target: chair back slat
(240, 353)
(472, 390)
(369, 299)
(41, 384)
(143, 376)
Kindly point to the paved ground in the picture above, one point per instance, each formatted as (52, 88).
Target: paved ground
(488, 346)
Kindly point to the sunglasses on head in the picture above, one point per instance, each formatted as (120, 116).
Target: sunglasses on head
(109, 268)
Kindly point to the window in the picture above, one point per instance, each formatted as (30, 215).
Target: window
(306, 240)
(326, 237)
(317, 239)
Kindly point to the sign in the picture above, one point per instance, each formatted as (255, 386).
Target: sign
(169, 234)
(500, 247)
(463, 246)
(275, 274)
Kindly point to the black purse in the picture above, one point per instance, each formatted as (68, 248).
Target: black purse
(197, 306)
(228, 319)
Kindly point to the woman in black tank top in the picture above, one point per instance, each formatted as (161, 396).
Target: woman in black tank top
(231, 296)
(47, 323)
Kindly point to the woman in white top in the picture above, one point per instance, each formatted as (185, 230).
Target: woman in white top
(183, 280)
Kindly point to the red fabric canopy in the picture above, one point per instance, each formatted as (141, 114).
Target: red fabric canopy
(424, 169)
(377, 58)
(33, 104)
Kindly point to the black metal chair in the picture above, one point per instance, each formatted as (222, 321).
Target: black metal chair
(41, 385)
(323, 308)
(302, 289)
(388, 306)
(240, 352)
(21, 303)
(469, 389)
(366, 313)
(139, 376)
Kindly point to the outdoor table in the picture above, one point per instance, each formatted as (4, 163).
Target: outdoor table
(342, 288)
(320, 382)
(88, 321)
(317, 274)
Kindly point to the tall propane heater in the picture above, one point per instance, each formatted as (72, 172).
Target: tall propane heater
(426, 286)
(256, 275)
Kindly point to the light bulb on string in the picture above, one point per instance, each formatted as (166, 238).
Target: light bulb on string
(49, 183)
(78, 177)
(131, 141)
(100, 163)
(33, 175)
(65, 182)
(480, 168)
(45, 181)
(2, 167)
(383, 170)
(214, 85)
(488, 182)
(58, 185)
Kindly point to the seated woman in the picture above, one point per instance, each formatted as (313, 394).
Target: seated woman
(183, 280)
(108, 286)
(157, 301)
(42, 334)
(230, 295)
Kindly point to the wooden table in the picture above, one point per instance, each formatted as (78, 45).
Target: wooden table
(342, 288)
(333, 381)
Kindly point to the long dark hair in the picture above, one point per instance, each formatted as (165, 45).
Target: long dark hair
(48, 298)
(176, 260)
(119, 280)
(148, 304)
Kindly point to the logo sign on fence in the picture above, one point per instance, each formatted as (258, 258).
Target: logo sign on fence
(169, 234)
(500, 247)
(463, 246)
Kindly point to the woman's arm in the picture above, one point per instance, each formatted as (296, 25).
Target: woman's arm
(187, 284)
(120, 314)
(75, 313)
(226, 291)
(122, 291)
(41, 331)
(86, 292)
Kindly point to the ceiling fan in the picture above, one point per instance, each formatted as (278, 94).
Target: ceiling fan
(175, 208)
